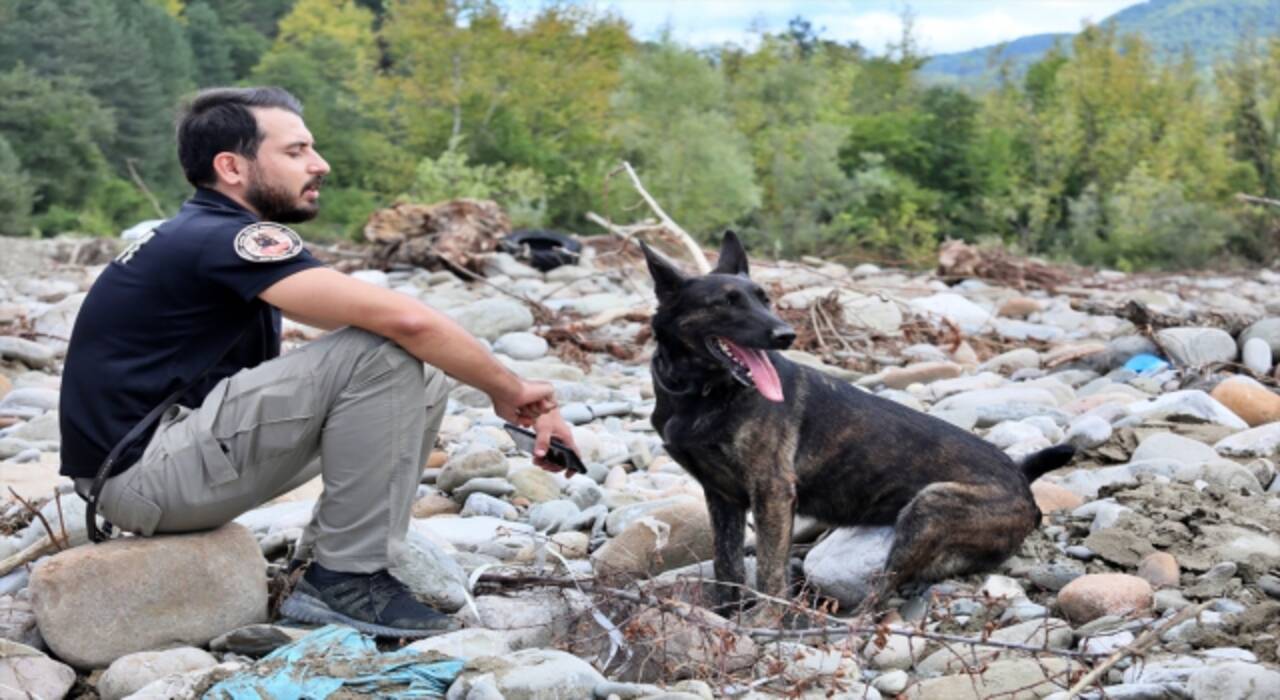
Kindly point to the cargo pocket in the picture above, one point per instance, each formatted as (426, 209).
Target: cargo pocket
(132, 511)
(258, 425)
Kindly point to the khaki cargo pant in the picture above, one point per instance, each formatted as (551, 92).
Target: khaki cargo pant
(350, 406)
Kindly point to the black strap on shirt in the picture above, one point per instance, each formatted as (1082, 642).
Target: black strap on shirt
(104, 471)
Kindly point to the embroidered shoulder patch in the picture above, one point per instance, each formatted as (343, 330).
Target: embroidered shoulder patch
(267, 241)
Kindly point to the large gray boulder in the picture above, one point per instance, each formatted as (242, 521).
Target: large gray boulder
(97, 603)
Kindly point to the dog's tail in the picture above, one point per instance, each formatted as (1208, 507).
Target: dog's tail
(1046, 460)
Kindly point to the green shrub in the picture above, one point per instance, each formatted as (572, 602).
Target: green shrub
(1145, 222)
(521, 192)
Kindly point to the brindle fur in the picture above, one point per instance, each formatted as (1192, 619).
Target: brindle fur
(829, 450)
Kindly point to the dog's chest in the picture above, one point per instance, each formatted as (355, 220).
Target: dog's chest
(711, 447)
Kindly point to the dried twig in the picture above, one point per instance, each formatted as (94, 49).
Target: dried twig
(137, 180)
(682, 236)
(773, 633)
(47, 527)
(1257, 200)
(1135, 647)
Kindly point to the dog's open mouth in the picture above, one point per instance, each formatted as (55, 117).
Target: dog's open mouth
(750, 366)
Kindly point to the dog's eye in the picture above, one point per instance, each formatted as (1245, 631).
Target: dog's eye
(764, 298)
(734, 297)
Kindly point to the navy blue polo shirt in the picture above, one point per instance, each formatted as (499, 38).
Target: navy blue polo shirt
(160, 314)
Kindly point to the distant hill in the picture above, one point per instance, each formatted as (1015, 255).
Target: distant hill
(1209, 29)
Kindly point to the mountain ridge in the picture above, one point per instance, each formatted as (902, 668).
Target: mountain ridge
(1208, 29)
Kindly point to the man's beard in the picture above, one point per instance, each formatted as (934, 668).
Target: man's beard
(276, 203)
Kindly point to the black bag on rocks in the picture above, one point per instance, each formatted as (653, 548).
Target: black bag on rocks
(540, 249)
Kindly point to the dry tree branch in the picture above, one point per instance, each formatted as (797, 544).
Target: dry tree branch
(763, 633)
(668, 225)
(1257, 200)
(1135, 647)
(137, 180)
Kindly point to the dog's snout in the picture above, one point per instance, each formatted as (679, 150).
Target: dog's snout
(782, 336)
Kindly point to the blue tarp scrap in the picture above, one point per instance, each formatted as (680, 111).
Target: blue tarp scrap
(337, 658)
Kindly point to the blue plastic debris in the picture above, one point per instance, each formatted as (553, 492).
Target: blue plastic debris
(339, 658)
(1145, 363)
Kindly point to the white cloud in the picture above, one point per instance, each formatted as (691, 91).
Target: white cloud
(941, 26)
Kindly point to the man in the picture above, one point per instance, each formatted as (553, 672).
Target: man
(360, 406)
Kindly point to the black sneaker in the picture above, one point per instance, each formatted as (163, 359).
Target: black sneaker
(376, 604)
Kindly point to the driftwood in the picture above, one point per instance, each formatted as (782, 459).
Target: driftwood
(957, 259)
(453, 234)
(665, 227)
(1149, 320)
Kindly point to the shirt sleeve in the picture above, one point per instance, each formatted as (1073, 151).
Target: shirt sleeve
(220, 263)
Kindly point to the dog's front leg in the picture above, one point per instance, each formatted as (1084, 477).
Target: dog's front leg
(728, 525)
(773, 503)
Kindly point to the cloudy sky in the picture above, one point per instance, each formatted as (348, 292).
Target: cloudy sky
(941, 26)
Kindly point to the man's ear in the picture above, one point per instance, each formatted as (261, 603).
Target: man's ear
(229, 168)
(733, 258)
(666, 277)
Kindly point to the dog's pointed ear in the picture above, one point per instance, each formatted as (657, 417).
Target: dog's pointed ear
(666, 277)
(733, 257)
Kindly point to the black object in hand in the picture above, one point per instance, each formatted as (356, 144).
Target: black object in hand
(558, 453)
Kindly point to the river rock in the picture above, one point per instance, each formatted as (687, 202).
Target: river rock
(1248, 399)
(1094, 595)
(846, 564)
(130, 673)
(1197, 347)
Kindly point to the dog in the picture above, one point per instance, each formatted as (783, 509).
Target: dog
(763, 433)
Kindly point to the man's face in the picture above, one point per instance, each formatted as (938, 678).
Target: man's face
(284, 180)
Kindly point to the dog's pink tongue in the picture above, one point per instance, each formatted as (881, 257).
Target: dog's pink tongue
(762, 371)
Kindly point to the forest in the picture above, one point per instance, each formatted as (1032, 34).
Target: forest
(1102, 152)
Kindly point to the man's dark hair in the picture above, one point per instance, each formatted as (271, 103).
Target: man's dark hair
(217, 120)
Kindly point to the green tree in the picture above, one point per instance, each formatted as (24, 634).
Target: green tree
(17, 195)
(326, 54)
(54, 127)
(671, 120)
(535, 95)
(108, 46)
(211, 44)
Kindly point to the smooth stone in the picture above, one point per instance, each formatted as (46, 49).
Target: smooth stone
(552, 516)
(1262, 441)
(1196, 347)
(494, 486)
(491, 318)
(1088, 431)
(970, 317)
(1248, 399)
(846, 564)
(256, 640)
(536, 484)
(1055, 575)
(32, 400)
(1159, 569)
(130, 673)
(478, 463)
(530, 674)
(467, 533)
(467, 643)
(1267, 330)
(1256, 355)
(1012, 361)
(1025, 677)
(1188, 402)
(920, 373)
(669, 537)
(32, 354)
(1051, 633)
(1094, 595)
(1174, 447)
(217, 579)
(484, 504)
(1235, 680)
(26, 673)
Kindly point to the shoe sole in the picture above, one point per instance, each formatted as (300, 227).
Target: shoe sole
(304, 608)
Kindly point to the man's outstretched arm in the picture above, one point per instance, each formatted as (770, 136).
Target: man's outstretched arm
(329, 299)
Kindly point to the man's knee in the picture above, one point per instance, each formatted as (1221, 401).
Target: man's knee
(368, 346)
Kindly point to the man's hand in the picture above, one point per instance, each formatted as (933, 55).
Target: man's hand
(527, 404)
(549, 425)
